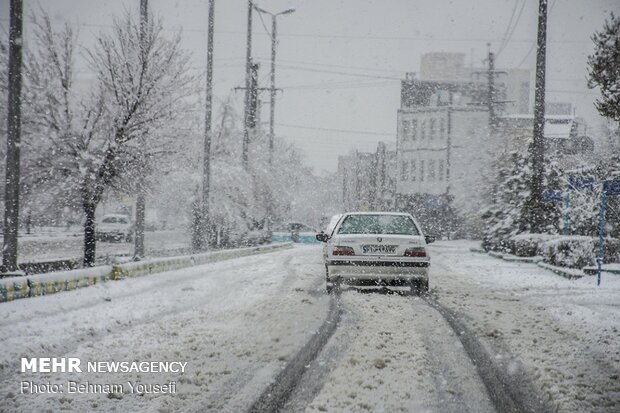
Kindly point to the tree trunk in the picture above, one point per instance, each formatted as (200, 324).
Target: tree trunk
(139, 236)
(89, 233)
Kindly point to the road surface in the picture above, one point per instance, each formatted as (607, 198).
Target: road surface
(241, 324)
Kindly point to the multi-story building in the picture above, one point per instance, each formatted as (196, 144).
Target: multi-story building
(443, 140)
(368, 179)
(565, 135)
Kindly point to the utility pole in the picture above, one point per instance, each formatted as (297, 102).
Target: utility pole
(535, 207)
(253, 98)
(206, 175)
(11, 196)
(248, 80)
(491, 91)
(141, 199)
(491, 100)
(272, 94)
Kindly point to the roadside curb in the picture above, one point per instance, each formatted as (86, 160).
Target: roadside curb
(44, 284)
(570, 273)
(594, 270)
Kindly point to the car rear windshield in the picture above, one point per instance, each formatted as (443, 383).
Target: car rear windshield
(378, 224)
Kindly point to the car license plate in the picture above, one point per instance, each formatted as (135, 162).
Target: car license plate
(378, 249)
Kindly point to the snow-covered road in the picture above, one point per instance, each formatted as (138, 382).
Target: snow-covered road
(237, 323)
(562, 334)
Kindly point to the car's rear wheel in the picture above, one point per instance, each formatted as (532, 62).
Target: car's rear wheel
(419, 287)
(329, 286)
(424, 286)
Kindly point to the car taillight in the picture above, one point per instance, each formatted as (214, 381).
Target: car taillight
(343, 251)
(415, 252)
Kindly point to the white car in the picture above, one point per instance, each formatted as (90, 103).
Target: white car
(114, 227)
(376, 248)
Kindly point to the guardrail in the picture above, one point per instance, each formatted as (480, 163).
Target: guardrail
(43, 284)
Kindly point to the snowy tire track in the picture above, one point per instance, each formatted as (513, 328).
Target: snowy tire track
(276, 395)
(508, 386)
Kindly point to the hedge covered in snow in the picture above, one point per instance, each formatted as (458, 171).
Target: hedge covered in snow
(573, 251)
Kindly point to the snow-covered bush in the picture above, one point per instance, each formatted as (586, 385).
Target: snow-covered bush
(579, 251)
(573, 252)
(529, 245)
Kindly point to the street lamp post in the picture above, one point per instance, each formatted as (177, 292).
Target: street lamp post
(272, 102)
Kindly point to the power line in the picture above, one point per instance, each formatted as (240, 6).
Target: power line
(339, 73)
(340, 85)
(377, 69)
(512, 31)
(335, 36)
(356, 132)
(534, 42)
(512, 15)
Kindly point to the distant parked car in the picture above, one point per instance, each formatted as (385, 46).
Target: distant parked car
(114, 227)
(294, 231)
(376, 248)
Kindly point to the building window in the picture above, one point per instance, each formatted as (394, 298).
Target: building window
(442, 128)
(422, 130)
(404, 171)
(422, 171)
(441, 170)
(414, 129)
(406, 130)
(413, 171)
(431, 170)
(431, 127)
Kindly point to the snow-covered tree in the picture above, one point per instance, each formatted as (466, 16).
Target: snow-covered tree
(503, 216)
(4, 78)
(604, 68)
(110, 137)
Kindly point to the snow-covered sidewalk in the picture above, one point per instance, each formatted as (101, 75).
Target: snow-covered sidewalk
(43, 247)
(565, 333)
(235, 323)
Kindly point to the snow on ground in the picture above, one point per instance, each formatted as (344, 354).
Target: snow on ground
(43, 247)
(397, 354)
(566, 333)
(235, 322)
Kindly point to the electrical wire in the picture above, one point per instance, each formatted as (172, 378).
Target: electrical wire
(356, 132)
(330, 37)
(512, 31)
(512, 15)
(303, 69)
(336, 66)
(534, 42)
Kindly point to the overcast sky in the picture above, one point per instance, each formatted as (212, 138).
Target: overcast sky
(339, 61)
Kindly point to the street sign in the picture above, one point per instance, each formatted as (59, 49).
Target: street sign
(612, 187)
(581, 182)
(552, 196)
